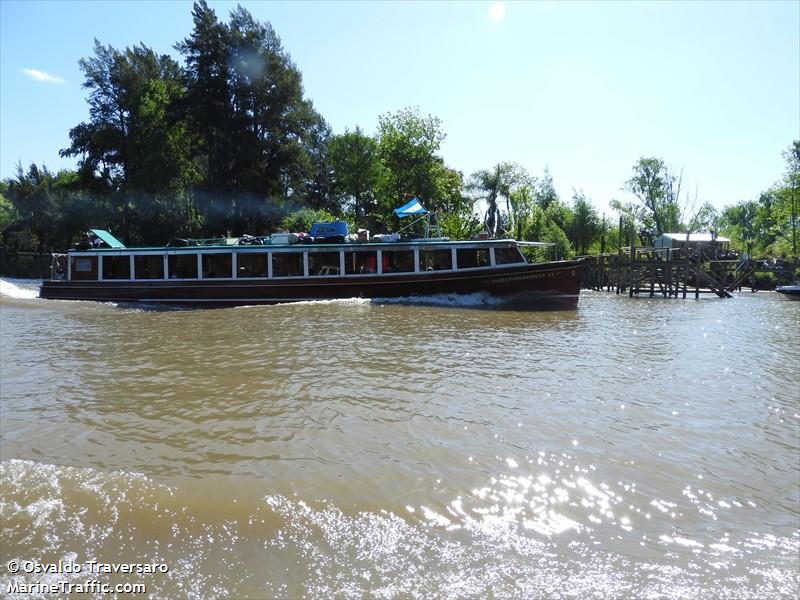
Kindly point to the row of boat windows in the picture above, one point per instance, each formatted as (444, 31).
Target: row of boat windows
(284, 264)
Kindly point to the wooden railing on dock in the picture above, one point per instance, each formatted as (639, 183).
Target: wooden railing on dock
(668, 272)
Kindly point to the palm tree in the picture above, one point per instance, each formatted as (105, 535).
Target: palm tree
(500, 182)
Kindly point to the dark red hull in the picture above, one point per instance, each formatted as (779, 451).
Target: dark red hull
(529, 286)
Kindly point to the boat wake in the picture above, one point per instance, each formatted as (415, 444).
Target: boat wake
(22, 289)
(474, 300)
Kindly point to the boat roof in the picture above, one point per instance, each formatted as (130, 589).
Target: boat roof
(337, 246)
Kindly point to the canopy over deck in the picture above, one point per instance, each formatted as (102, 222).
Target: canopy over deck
(107, 238)
(410, 209)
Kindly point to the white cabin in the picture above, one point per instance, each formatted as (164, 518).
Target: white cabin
(678, 240)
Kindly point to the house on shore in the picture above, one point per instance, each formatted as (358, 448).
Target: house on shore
(710, 243)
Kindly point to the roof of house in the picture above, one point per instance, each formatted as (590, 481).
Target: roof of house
(694, 237)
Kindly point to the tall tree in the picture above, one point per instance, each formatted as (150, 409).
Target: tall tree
(408, 144)
(356, 171)
(738, 222)
(50, 209)
(492, 186)
(791, 191)
(135, 138)
(8, 213)
(584, 224)
(319, 190)
(261, 137)
(704, 218)
(544, 190)
(658, 192)
(135, 151)
(626, 232)
(263, 148)
(208, 97)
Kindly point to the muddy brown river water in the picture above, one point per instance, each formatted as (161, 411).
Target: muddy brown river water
(634, 448)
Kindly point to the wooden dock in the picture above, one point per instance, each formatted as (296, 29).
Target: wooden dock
(671, 273)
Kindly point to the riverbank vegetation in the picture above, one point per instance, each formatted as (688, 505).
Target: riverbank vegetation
(226, 142)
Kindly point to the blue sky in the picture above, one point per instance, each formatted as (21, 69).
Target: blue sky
(584, 88)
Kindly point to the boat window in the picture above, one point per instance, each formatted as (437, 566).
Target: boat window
(397, 261)
(435, 260)
(469, 258)
(182, 266)
(356, 263)
(217, 265)
(252, 264)
(323, 263)
(84, 268)
(148, 266)
(504, 256)
(116, 267)
(287, 264)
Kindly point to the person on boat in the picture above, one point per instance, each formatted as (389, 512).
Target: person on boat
(370, 263)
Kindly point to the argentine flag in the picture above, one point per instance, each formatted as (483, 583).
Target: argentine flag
(411, 208)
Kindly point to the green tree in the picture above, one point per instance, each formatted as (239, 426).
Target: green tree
(768, 226)
(658, 192)
(492, 186)
(356, 172)
(209, 110)
(627, 213)
(32, 196)
(303, 219)
(51, 209)
(262, 143)
(790, 193)
(319, 189)
(135, 138)
(461, 225)
(407, 149)
(584, 224)
(272, 121)
(8, 213)
(544, 191)
(738, 223)
(522, 204)
(135, 151)
(706, 218)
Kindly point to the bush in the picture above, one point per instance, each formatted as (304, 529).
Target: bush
(459, 226)
(303, 219)
(766, 281)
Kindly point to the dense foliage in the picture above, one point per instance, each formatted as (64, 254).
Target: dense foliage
(768, 226)
(227, 143)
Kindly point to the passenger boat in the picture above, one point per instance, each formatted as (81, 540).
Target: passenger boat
(790, 291)
(243, 271)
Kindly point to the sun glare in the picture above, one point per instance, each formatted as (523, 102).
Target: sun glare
(497, 12)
